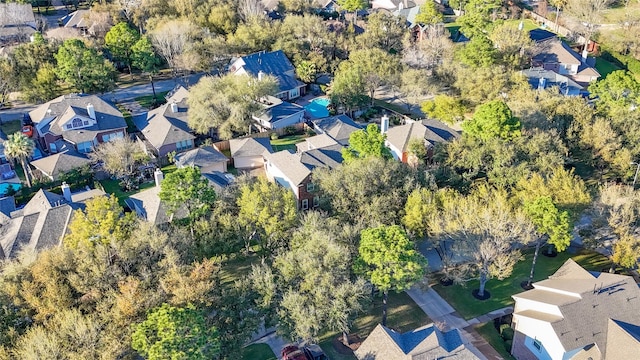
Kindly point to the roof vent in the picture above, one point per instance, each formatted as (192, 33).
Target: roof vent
(174, 107)
(91, 111)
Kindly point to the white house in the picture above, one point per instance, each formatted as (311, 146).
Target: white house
(576, 314)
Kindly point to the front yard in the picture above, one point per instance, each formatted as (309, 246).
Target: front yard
(258, 352)
(466, 305)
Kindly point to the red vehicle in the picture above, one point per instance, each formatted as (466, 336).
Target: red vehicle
(293, 352)
(27, 130)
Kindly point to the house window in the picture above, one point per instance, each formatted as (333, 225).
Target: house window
(310, 187)
(85, 147)
(86, 123)
(184, 145)
(294, 93)
(316, 201)
(77, 123)
(53, 148)
(69, 126)
(537, 345)
(305, 204)
(112, 136)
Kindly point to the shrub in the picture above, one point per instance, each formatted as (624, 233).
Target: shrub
(274, 136)
(507, 334)
(508, 344)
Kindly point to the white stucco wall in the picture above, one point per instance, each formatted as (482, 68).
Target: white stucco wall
(526, 304)
(274, 174)
(291, 120)
(543, 332)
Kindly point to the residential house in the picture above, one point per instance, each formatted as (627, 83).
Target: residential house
(273, 63)
(577, 314)
(557, 56)
(52, 166)
(165, 129)
(3, 138)
(7, 206)
(541, 79)
(88, 22)
(43, 222)
(294, 171)
(82, 121)
(392, 5)
(17, 23)
(206, 158)
(339, 128)
(249, 153)
(430, 131)
(148, 206)
(278, 114)
(427, 342)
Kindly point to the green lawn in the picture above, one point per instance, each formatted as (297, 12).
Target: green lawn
(237, 268)
(11, 127)
(287, 142)
(463, 301)
(147, 100)
(604, 67)
(112, 186)
(489, 333)
(131, 127)
(528, 24)
(258, 352)
(403, 315)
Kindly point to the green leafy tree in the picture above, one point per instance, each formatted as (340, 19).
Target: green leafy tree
(384, 31)
(353, 5)
(120, 41)
(120, 157)
(377, 67)
(478, 17)
(366, 143)
(306, 71)
(493, 120)
(187, 189)
(422, 205)
(390, 260)
(227, 102)
(8, 81)
(19, 147)
(144, 57)
(429, 14)
(348, 88)
(268, 211)
(26, 59)
(84, 68)
(446, 108)
(44, 86)
(514, 46)
(175, 333)
(619, 91)
(101, 222)
(478, 52)
(550, 223)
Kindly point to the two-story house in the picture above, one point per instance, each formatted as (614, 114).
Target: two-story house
(430, 131)
(82, 121)
(294, 171)
(165, 128)
(17, 23)
(278, 114)
(578, 314)
(273, 63)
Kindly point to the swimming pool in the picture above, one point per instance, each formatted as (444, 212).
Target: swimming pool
(317, 108)
(4, 187)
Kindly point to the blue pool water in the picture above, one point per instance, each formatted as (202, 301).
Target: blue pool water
(317, 108)
(5, 186)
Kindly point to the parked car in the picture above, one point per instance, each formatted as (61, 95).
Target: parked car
(293, 352)
(314, 352)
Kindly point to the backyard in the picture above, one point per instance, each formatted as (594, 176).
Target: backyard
(10, 127)
(468, 307)
(112, 186)
(287, 142)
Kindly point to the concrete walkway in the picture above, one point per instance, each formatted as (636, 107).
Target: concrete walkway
(443, 314)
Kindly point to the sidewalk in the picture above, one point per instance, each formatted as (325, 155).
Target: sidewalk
(443, 314)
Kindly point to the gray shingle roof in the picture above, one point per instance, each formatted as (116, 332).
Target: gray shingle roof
(147, 205)
(65, 107)
(290, 165)
(427, 342)
(327, 157)
(201, 157)
(162, 126)
(279, 111)
(7, 205)
(218, 178)
(338, 127)
(273, 63)
(16, 14)
(60, 163)
(597, 297)
(250, 147)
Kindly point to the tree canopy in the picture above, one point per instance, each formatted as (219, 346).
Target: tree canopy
(84, 68)
(369, 142)
(493, 120)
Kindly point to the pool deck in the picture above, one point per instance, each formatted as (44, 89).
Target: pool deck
(307, 99)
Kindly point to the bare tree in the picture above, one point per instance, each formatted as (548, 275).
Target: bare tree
(485, 229)
(172, 39)
(120, 157)
(129, 7)
(431, 49)
(588, 13)
(248, 9)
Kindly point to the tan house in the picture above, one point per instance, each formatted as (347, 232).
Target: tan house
(578, 314)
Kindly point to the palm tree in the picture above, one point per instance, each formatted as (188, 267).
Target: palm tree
(19, 147)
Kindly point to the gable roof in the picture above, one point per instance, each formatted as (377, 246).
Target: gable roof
(551, 79)
(427, 342)
(60, 163)
(315, 142)
(147, 204)
(250, 147)
(163, 127)
(16, 14)
(557, 51)
(178, 94)
(585, 300)
(539, 35)
(278, 110)
(338, 127)
(202, 157)
(273, 63)
(52, 115)
(219, 179)
(298, 166)
(400, 136)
